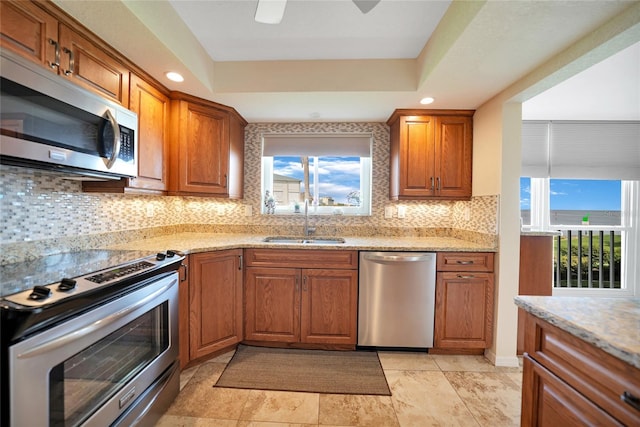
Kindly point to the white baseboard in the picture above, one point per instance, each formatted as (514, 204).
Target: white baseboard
(506, 361)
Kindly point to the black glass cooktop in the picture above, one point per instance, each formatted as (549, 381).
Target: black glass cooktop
(25, 275)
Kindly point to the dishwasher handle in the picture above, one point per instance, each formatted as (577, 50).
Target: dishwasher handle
(399, 258)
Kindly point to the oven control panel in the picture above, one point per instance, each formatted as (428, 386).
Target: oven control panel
(116, 273)
(42, 295)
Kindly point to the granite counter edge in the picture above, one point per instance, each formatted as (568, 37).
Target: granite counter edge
(579, 332)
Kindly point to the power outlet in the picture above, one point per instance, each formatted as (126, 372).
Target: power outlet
(248, 210)
(388, 212)
(402, 212)
(149, 211)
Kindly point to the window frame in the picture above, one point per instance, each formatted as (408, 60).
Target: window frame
(366, 180)
(629, 230)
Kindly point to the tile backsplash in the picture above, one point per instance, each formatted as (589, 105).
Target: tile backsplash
(47, 206)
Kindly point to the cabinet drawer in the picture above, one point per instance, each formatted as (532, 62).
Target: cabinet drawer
(465, 261)
(554, 403)
(301, 258)
(592, 372)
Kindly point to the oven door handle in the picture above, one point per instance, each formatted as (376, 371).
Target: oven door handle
(86, 330)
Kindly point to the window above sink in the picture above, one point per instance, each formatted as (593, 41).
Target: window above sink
(333, 171)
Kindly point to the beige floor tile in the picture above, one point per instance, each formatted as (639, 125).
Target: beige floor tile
(178, 421)
(200, 398)
(357, 410)
(269, 424)
(281, 406)
(425, 398)
(493, 398)
(407, 361)
(450, 363)
(223, 358)
(516, 377)
(186, 375)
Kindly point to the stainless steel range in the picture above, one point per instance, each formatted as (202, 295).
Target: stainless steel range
(89, 338)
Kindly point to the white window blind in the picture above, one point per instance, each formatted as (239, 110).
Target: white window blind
(337, 144)
(581, 150)
(535, 149)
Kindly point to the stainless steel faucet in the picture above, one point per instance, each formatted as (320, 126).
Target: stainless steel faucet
(308, 231)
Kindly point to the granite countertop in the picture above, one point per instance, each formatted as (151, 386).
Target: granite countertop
(204, 242)
(539, 233)
(611, 324)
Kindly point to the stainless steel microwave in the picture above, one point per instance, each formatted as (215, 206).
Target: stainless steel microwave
(47, 122)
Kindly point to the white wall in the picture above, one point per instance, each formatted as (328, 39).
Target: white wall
(497, 146)
(496, 136)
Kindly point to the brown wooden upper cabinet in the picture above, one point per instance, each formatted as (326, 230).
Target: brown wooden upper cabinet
(34, 30)
(152, 105)
(431, 154)
(207, 149)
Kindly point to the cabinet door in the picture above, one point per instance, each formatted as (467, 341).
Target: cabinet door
(329, 306)
(417, 161)
(235, 179)
(204, 150)
(90, 67)
(28, 31)
(549, 401)
(215, 301)
(152, 107)
(272, 304)
(464, 310)
(453, 145)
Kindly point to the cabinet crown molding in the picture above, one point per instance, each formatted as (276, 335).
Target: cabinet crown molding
(426, 112)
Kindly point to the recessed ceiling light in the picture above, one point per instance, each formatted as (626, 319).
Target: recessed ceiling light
(175, 77)
(427, 100)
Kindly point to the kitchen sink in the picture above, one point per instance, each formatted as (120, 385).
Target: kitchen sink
(304, 240)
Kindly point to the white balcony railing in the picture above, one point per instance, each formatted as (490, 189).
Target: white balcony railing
(587, 259)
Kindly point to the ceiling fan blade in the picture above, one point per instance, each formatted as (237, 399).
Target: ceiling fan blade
(366, 5)
(270, 11)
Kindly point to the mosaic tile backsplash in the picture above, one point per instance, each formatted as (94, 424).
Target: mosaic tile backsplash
(51, 209)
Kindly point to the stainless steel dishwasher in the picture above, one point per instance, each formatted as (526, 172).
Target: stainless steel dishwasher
(396, 300)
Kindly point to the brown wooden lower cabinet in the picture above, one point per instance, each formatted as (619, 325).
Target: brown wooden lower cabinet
(464, 302)
(569, 382)
(287, 304)
(215, 302)
(554, 403)
(536, 270)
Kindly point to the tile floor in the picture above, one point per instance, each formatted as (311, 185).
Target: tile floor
(427, 390)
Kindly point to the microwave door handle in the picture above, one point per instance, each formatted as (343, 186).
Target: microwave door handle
(116, 140)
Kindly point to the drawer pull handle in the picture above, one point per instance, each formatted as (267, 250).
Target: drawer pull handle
(464, 262)
(57, 54)
(630, 399)
(460, 276)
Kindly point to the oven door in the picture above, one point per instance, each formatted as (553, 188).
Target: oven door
(91, 369)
